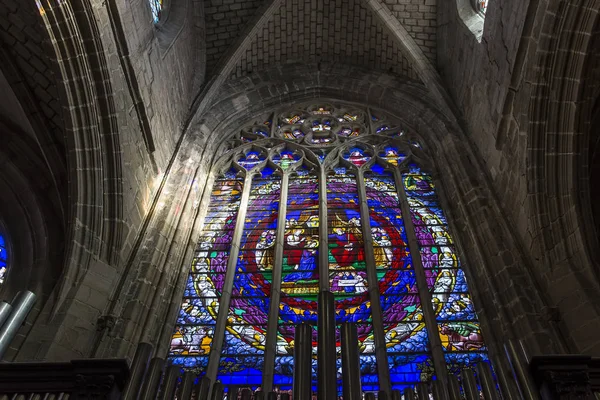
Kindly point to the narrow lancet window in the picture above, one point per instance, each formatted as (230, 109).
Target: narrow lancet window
(156, 9)
(196, 322)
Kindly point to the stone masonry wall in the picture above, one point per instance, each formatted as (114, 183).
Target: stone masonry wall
(166, 78)
(419, 17)
(529, 146)
(167, 67)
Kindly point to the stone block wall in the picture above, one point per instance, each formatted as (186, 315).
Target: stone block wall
(478, 73)
(133, 65)
(419, 17)
(225, 20)
(517, 111)
(167, 62)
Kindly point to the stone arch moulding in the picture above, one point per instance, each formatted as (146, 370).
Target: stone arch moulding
(555, 174)
(409, 102)
(589, 124)
(92, 150)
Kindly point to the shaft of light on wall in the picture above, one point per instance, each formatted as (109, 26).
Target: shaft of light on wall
(21, 306)
(150, 192)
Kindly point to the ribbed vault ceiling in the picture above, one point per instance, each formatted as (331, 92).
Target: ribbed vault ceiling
(298, 31)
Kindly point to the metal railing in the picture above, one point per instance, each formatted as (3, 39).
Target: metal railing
(152, 378)
(544, 377)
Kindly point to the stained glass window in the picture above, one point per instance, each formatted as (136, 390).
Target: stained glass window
(406, 338)
(387, 242)
(481, 5)
(300, 274)
(242, 356)
(194, 332)
(457, 322)
(3, 259)
(156, 9)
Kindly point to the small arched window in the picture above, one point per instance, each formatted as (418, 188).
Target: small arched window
(3, 259)
(481, 6)
(156, 8)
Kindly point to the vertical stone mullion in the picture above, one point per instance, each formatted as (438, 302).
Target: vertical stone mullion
(272, 323)
(326, 354)
(323, 236)
(217, 344)
(430, 322)
(383, 369)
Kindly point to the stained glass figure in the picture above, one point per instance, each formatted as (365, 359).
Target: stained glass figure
(300, 276)
(192, 339)
(457, 321)
(3, 259)
(347, 265)
(357, 156)
(286, 158)
(321, 125)
(156, 9)
(348, 131)
(320, 140)
(293, 133)
(251, 159)
(392, 155)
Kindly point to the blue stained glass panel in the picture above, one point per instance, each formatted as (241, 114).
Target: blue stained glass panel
(241, 370)
(286, 158)
(251, 159)
(406, 370)
(3, 259)
(392, 155)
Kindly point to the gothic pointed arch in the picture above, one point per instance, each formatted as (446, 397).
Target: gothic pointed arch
(325, 196)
